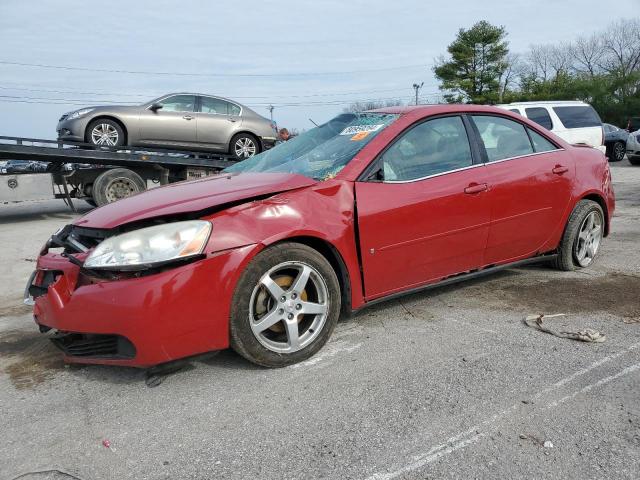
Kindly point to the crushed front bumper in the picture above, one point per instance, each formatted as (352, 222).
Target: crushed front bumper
(138, 321)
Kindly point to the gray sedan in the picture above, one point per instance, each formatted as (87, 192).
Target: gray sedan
(183, 121)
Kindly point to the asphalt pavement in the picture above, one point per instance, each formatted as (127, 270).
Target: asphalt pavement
(444, 384)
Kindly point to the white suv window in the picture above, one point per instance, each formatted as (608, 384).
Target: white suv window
(579, 116)
(540, 116)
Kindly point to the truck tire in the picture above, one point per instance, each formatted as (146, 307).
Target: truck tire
(116, 184)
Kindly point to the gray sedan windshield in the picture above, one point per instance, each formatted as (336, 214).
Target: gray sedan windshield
(323, 151)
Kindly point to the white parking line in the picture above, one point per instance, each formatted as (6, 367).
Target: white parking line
(473, 434)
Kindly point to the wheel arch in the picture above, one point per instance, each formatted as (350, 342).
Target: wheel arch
(333, 256)
(107, 117)
(599, 199)
(246, 132)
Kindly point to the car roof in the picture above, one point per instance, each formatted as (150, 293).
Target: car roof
(437, 109)
(544, 102)
(202, 95)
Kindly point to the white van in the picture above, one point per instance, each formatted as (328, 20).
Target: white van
(573, 121)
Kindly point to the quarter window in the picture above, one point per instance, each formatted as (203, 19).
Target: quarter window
(432, 147)
(502, 138)
(540, 144)
(178, 103)
(540, 116)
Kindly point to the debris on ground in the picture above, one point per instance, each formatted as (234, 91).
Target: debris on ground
(586, 335)
(547, 444)
(106, 443)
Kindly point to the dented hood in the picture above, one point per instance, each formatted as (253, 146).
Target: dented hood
(194, 196)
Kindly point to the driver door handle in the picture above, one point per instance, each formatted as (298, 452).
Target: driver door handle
(188, 117)
(232, 120)
(560, 169)
(474, 188)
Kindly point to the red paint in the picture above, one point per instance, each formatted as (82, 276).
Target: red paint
(419, 232)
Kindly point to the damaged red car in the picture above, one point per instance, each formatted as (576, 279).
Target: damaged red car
(266, 256)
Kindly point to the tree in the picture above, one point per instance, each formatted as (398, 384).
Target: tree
(477, 61)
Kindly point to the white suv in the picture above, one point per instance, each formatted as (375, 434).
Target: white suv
(573, 121)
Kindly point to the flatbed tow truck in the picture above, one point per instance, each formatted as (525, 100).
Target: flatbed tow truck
(96, 174)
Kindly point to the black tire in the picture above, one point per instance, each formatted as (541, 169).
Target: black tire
(248, 139)
(244, 341)
(110, 126)
(634, 160)
(618, 151)
(566, 259)
(115, 184)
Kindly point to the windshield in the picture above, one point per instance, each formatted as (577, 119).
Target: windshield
(323, 151)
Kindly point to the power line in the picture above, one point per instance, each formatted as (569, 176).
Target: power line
(197, 74)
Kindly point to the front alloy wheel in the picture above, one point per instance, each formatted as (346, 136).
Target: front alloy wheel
(104, 134)
(285, 306)
(619, 151)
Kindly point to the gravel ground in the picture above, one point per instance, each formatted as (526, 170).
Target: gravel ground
(444, 384)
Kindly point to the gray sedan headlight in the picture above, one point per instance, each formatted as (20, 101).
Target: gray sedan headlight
(79, 113)
(151, 246)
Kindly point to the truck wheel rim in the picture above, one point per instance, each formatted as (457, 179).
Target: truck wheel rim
(287, 317)
(120, 188)
(104, 134)
(589, 239)
(244, 147)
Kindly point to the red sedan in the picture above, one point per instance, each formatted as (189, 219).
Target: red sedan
(265, 256)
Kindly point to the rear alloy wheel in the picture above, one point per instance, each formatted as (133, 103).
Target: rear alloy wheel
(105, 133)
(582, 236)
(244, 146)
(286, 305)
(634, 160)
(618, 151)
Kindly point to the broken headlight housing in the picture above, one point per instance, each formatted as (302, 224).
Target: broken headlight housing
(151, 246)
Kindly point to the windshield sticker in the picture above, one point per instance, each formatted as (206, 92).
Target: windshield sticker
(359, 136)
(353, 129)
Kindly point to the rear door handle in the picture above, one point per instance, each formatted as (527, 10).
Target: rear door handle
(476, 188)
(232, 120)
(560, 169)
(188, 117)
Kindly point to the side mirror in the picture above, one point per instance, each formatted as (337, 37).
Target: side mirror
(155, 107)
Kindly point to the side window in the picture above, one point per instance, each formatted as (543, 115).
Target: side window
(435, 146)
(178, 103)
(540, 144)
(540, 116)
(502, 138)
(214, 105)
(514, 110)
(579, 116)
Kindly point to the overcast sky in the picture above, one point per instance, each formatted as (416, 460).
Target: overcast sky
(297, 55)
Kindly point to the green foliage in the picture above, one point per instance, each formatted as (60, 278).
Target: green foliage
(477, 61)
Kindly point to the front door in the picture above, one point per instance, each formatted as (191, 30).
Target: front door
(172, 125)
(530, 181)
(429, 216)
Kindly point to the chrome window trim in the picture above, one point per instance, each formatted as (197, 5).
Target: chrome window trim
(222, 100)
(472, 166)
(436, 174)
(523, 156)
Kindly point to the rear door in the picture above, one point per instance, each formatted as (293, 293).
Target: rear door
(530, 182)
(175, 124)
(218, 120)
(425, 214)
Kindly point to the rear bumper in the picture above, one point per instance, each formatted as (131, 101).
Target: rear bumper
(142, 321)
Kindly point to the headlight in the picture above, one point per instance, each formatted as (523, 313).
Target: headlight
(79, 113)
(151, 246)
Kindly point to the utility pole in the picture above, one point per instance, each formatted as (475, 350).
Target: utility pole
(417, 88)
(270, 108)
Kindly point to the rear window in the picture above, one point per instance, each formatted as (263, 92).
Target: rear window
(578, 116)
(540, 116)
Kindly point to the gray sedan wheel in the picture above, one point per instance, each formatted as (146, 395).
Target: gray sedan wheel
(244, 146)
(105, 133)
(619, 151)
